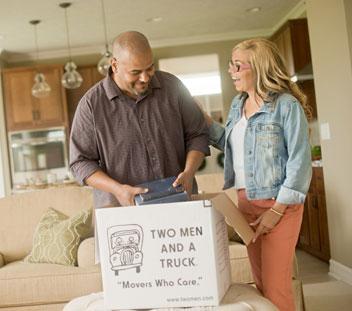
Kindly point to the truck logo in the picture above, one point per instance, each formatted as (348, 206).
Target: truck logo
(125, 247)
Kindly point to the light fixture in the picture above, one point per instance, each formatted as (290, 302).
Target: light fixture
(155, 19)
(294, 78)
(104, 62)
(254, 9)
(40, 88)
(71, 79)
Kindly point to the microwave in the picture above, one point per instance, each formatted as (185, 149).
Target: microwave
(36, 154)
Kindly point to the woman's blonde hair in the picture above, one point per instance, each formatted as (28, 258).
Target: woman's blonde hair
(270, 71)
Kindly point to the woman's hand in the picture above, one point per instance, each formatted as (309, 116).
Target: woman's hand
(268, 220)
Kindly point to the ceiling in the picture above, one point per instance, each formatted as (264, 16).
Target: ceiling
(182, 22)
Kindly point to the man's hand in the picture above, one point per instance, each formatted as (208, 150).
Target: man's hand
(125, 194)
(193, 161)
(186, 180)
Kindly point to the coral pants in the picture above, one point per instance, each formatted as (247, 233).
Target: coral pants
(271, 256)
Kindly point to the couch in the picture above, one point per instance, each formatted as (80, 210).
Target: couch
(38, 287)
(31, 286)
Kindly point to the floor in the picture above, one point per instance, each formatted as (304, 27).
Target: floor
(321, 291)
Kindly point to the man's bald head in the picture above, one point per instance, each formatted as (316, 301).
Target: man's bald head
(132, 63)
(131, 42)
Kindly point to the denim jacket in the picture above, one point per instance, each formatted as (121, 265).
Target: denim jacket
(277, 157)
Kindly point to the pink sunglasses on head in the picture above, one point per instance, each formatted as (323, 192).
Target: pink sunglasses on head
(237, 67)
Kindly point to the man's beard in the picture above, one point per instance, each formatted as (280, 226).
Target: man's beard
(141, 93)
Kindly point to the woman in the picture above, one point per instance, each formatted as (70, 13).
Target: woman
(268, 161)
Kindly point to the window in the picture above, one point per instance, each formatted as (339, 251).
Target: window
(201, 75)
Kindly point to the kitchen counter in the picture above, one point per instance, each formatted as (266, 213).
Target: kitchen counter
(40, 186)
(317, 163)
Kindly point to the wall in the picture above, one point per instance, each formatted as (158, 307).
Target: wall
(223, 49)
(348, 11)
(332, 66)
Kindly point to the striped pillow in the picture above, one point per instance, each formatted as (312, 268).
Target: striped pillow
(57, 237)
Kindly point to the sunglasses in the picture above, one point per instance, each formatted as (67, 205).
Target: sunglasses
(237, 67)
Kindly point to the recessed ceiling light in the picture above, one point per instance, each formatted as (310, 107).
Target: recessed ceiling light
(156, 19)
(254, 10)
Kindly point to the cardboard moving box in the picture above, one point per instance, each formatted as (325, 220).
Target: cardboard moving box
(165, 255)
(232, 214)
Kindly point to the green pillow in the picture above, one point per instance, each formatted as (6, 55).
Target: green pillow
(57, 237)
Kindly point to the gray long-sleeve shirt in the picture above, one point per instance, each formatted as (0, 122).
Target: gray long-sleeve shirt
(134, 141)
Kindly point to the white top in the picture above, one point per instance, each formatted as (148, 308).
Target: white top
(237, 145)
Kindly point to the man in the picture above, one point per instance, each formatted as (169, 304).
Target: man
(134, 126)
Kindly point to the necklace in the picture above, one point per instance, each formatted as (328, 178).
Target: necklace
(250, 108)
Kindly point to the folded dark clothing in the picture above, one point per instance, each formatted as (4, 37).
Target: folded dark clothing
(161, 191)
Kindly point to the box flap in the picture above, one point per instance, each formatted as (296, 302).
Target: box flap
(232, 214)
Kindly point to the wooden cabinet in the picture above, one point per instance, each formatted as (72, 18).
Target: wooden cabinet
(90, 76)
(292, 39)
(23, 111)
(307, 87)
(314, 235)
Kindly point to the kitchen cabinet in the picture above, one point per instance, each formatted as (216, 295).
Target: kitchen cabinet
(292, 39)
(307, 87)
(23, 111)
(314, 234)
(90, 76)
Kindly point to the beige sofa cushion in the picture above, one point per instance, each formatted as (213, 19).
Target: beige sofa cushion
(24, 284)
(57, 237)
(240, 267)
(47, 307)
(2, 261)
(211, 183)
(25, 210)
(86, 251)
(237, 250)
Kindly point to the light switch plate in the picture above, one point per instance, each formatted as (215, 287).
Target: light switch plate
(325, 131)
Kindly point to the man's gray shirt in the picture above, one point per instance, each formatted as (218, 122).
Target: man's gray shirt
(134, 141)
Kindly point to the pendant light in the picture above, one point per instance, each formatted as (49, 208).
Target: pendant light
(104, 62)
(71, 79)
(40, 88)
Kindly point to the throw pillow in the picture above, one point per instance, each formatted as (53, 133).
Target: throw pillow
(57, 237)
